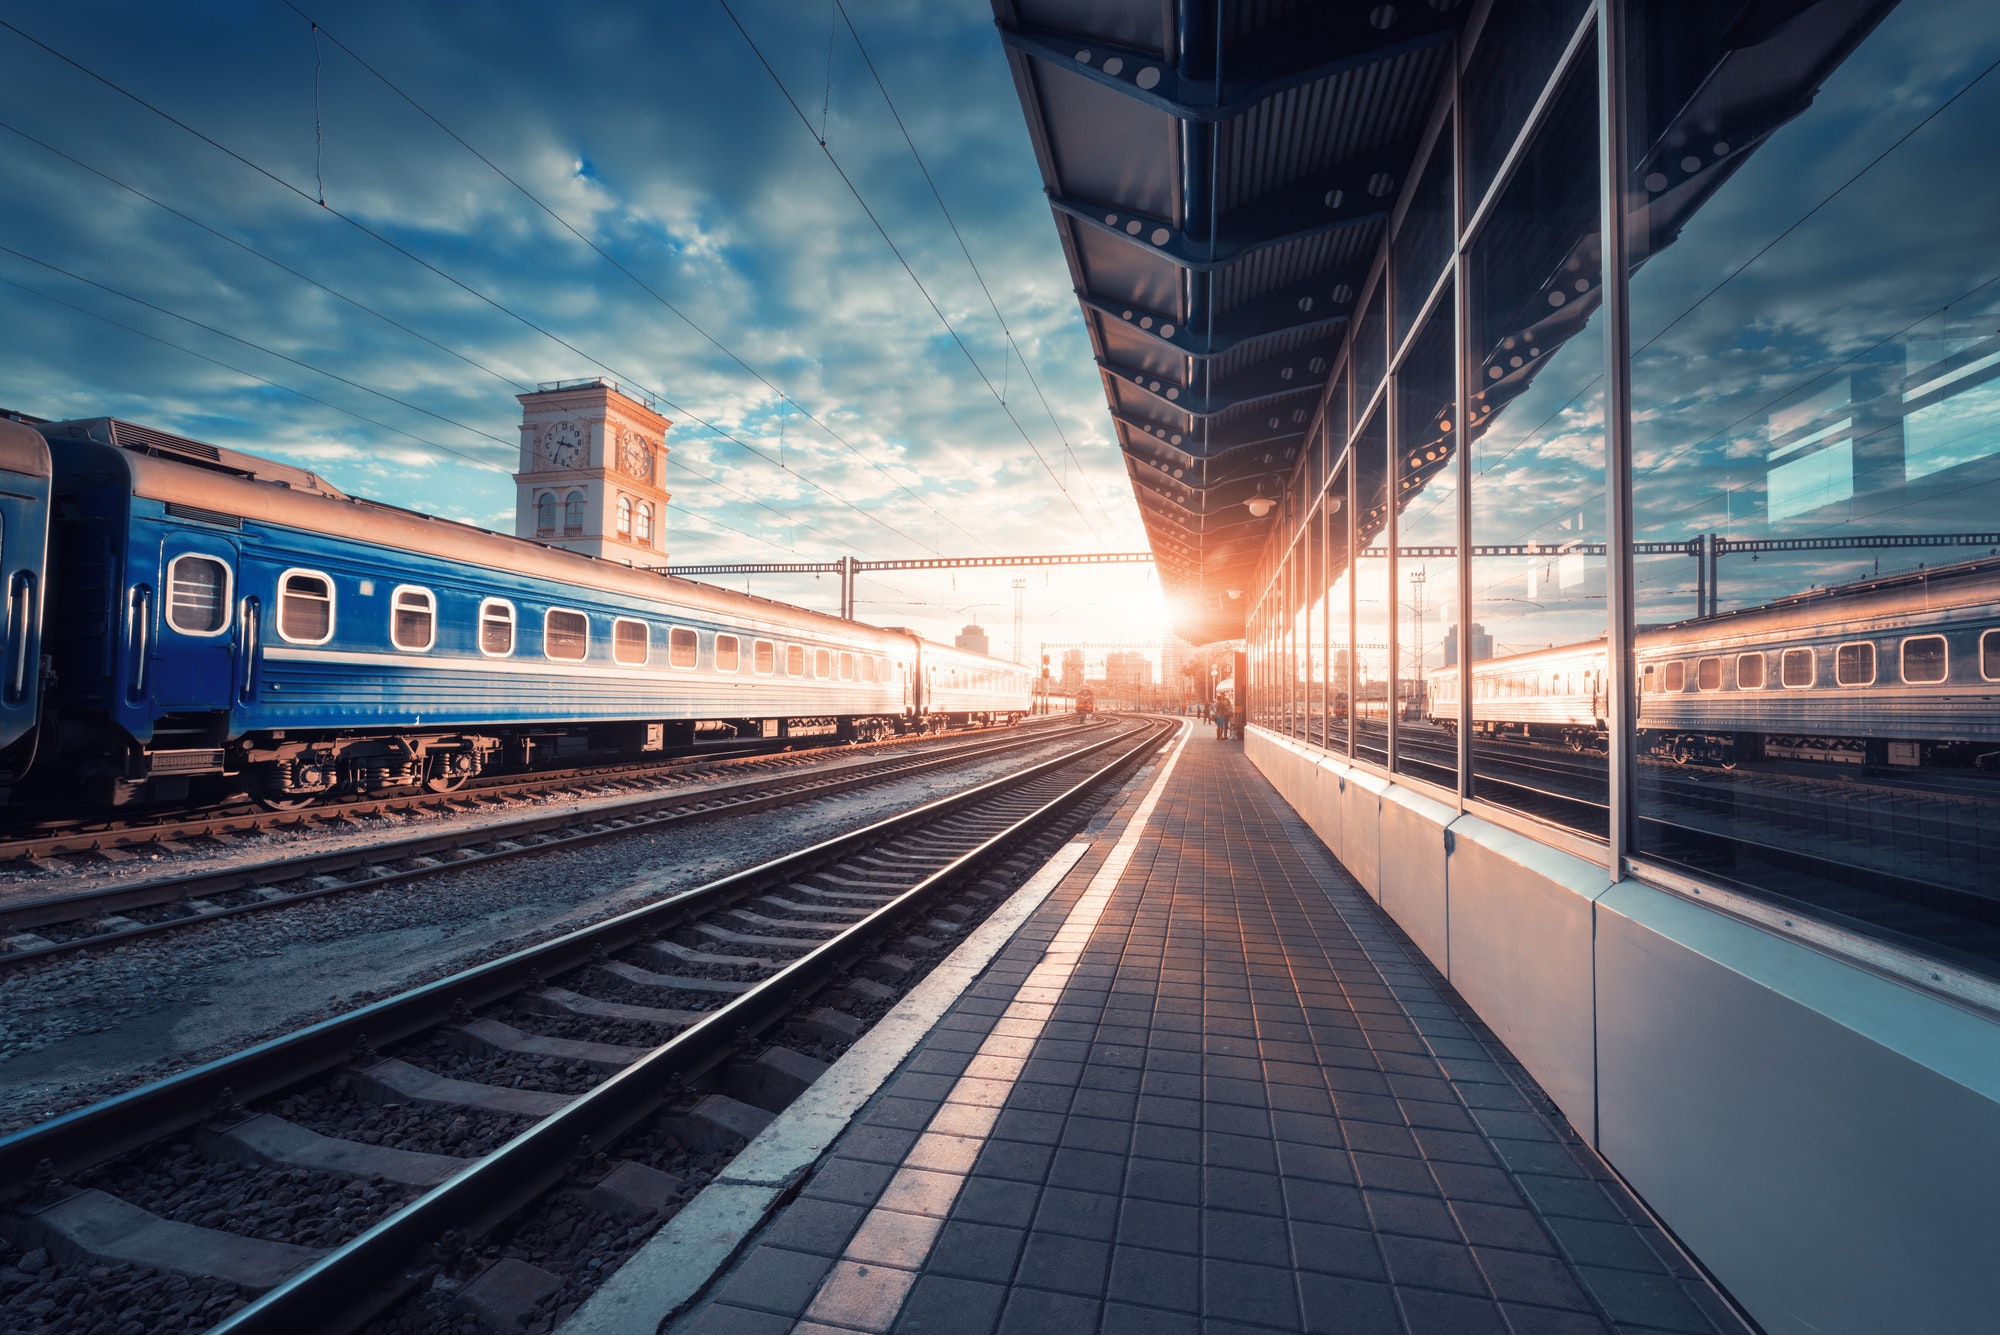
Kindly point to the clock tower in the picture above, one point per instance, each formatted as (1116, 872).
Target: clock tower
(590, 479)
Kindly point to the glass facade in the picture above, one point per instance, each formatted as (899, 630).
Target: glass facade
(1808, 306)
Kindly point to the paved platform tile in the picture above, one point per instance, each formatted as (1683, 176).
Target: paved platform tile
(1210, 1087)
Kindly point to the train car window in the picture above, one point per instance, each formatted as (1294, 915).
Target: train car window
(728, 653)
(305, 607)
(624, 516)
(412, 619)
(197, 595)
(682, 647)
(1854, 664)
(1925, 659)
(565, 635)
(1673, 676)
(822, 663)
(1989, 655)
(1749, 672)
(795, 660)
(847, 667)
(632, 645)
(1796, 668)
(763, 657)
(1708, 674)
(496, 628)
(867, 667)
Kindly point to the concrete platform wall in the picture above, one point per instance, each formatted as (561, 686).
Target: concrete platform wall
(1822, 1136)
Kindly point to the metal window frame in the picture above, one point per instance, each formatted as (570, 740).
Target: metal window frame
(332, 602)
(431, 608)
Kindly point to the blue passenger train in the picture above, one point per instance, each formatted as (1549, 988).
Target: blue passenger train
(24, 533)
(223, 621)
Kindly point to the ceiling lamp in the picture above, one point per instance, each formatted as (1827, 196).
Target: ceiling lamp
(1235, 594)
(1259, 505)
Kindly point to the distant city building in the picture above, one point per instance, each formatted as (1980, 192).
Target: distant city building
(1482, 644)
(1072, 670)
(973, 637)
(1127, 670)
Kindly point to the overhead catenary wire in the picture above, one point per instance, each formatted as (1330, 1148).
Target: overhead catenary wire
(900, 259)
(971, 263)
(637, 281)
(275, 263)
(471, 291)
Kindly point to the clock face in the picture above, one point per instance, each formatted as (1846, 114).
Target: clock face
(562, 445)
(636, 458)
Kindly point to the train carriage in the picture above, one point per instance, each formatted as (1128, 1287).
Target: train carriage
(227, 615)
(961, 687)
(25, 471)
(1899, 671)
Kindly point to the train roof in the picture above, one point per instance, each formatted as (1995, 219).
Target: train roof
(22, 450)
(1877, 594)
(164, 468)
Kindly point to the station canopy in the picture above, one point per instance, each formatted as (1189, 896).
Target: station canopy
(1221, 175)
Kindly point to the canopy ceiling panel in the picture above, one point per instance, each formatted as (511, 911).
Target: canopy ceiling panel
(1221, 175)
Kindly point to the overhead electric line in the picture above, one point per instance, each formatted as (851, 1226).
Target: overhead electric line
(455, 282)
(966, 250)
(613, 261)
(897, 252)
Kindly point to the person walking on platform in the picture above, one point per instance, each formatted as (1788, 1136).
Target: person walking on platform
(1221, 717)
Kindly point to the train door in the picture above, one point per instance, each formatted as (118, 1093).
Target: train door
(192, 660)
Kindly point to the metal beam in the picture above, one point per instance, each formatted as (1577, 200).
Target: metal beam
(1249, 231)
(1144, 77)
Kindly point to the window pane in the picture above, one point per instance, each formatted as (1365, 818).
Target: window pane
(1370, 353)
(763, 658)
(1749, 672)
(411, 619)
(1815, 358)
(683, 647)
(1427, 541)
(1518, 48)
(795, 661)
(1989, 655)
(1925, 659)
(197, 595)
(1372, 598)
(496, 629)
(305, 609)
(631, 644)
(1423, 243)
(847, 667)
(566, 635)
(1539, 577)
(1339, 629)
(728, 653)
(822, 663)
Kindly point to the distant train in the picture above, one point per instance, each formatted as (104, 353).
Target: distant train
(216, 621)
(1900, 670)
(1086, 701)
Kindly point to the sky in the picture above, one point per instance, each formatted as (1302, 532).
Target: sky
(697, 244)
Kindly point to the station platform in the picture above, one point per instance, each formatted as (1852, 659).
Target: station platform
(1208, 1086)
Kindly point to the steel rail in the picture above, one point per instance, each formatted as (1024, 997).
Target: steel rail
(475, 846)
(110, 834)
(101, 1131)
(346, 1286)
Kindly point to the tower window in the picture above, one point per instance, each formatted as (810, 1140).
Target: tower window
(545, 512)
(573, 514)
(624, 516)
(643, 529)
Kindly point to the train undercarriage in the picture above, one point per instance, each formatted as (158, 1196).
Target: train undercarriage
(92, 766)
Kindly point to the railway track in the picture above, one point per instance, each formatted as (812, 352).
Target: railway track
(529, 1087)
(43, 927)
(116, 838)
